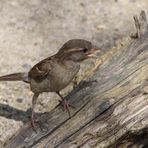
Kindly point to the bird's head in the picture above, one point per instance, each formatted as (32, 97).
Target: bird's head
(78, 50)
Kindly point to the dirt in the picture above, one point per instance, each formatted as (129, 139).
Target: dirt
(33, 30)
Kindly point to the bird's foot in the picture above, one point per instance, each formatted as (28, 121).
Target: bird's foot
(66, 105)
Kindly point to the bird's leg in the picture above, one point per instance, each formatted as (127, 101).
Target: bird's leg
(34, 99)
(65, 103)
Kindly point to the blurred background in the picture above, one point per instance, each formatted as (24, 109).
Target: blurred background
(33, 30)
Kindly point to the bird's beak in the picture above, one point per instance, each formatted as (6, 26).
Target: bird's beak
(93, 52)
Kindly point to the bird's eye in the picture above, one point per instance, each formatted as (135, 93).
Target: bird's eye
(85, 50)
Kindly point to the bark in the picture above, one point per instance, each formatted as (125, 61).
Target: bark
(111, 106)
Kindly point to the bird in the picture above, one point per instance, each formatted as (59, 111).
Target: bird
(55, 72)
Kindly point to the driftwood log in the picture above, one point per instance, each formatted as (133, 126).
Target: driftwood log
(111, 106)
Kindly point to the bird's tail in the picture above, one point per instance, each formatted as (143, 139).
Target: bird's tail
(15, 77)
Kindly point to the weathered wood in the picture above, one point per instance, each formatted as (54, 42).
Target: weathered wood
(109, 110)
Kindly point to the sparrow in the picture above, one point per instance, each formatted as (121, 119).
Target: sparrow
(55, 72)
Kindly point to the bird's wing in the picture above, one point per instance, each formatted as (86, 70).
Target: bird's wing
(40, 70)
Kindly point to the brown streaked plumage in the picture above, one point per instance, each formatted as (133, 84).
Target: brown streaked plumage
(56, 72)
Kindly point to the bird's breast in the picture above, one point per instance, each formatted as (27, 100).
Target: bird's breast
(63, 75)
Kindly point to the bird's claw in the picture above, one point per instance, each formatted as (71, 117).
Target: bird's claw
(66, 105)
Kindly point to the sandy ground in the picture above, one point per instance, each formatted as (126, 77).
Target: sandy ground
(33, 30)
